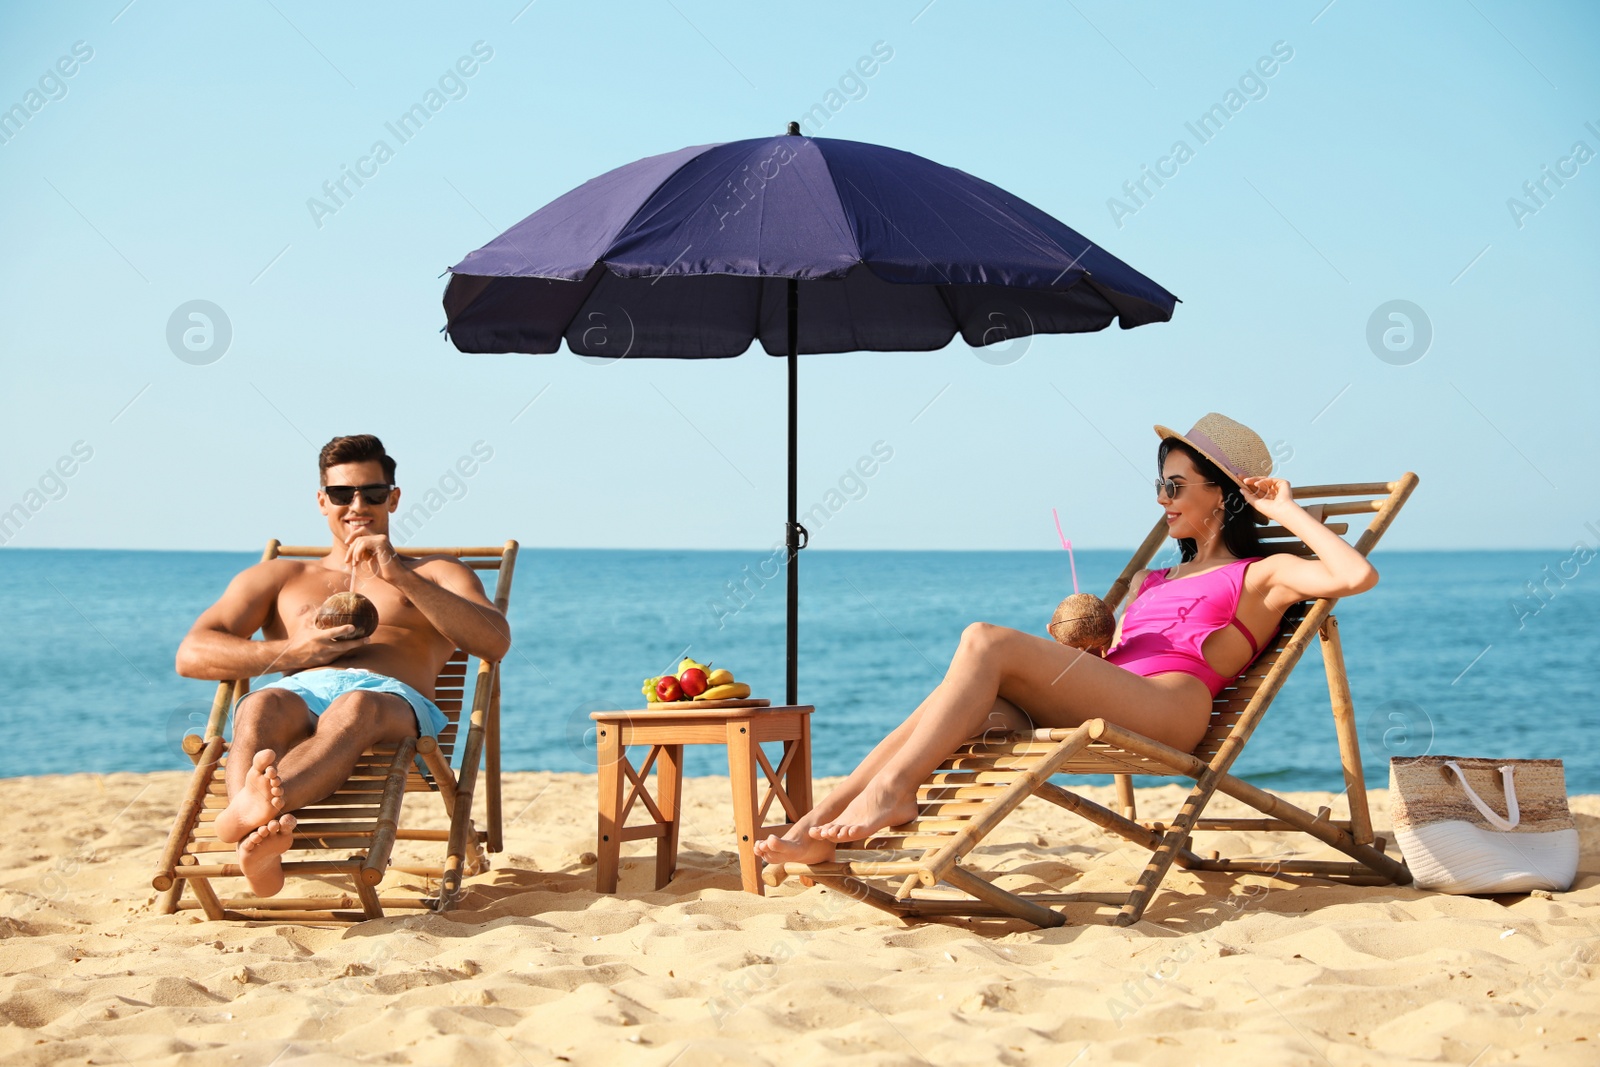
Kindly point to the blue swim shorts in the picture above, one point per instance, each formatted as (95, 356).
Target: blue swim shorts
(321, 686)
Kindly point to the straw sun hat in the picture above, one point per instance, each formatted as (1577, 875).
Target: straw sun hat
(1235, 448)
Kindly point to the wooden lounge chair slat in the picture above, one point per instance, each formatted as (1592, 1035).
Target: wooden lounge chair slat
(889, 840)
(958, 792)
(946, 808)
(867, 868)
(970, 777)
(365, 815)
(991, 774)
(1112, 763)
(932, 825)
(1252, 824)
(1274, 533)
(1013, 748)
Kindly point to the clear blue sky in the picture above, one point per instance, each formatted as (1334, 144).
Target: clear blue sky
(1375, 164)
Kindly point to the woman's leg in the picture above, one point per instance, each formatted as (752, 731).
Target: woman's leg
(1052, 684)
(798, 846)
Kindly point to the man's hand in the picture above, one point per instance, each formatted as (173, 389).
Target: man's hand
(315, 647)
(379, 554)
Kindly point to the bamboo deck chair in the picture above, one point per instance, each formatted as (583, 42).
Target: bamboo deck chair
(351, 834)
(976, 788)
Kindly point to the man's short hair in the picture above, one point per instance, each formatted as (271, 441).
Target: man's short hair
(356, 448)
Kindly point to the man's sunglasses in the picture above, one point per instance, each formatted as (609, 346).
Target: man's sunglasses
(374, 494)
(1170, 489)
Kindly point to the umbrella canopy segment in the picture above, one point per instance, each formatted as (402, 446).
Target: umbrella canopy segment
(810, 245)
(685, 254)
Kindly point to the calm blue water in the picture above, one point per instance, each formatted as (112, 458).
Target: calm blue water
(89, 636)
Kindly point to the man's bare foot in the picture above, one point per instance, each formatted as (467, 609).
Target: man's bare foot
(261, 855)
(872, 810)
(798, 849)
(257, 801)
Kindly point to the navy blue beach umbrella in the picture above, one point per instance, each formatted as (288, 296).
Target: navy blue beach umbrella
(809, 244)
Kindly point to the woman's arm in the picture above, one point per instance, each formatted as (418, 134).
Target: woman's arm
(1338, 570)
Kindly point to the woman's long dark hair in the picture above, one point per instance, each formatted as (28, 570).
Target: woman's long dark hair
(1241, 526)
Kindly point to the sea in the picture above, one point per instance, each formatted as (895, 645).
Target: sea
(1476, 653)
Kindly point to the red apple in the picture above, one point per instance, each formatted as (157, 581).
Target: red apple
(692, 682)
(668, 689)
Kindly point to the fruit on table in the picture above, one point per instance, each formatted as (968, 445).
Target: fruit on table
(692, 682)
(726, 691)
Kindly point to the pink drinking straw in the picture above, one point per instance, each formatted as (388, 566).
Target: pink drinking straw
(1071, 560)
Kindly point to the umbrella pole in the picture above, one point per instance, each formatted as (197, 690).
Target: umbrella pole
(792, 534)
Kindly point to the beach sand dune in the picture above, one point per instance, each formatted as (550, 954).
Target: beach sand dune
(537, 968)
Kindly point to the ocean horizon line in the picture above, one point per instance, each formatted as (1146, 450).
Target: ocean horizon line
(523, 546)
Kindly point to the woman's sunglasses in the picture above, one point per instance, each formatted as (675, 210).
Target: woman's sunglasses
(374, 494)
(1170, 489)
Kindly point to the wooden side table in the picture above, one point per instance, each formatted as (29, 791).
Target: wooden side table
(741, 725)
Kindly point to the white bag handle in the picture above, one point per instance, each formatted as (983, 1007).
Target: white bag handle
(1513, 815)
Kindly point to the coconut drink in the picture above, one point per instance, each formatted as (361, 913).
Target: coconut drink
(348, 609)
(1084, 622)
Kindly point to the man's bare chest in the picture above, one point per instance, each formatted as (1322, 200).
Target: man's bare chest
(304, 592)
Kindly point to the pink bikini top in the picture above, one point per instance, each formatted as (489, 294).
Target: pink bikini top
(1170, 618)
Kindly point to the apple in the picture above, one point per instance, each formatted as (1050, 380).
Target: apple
(668, 689)
(692, 682)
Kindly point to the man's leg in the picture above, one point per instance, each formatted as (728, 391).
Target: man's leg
(314, 768)
(266, 724)
(352, 724)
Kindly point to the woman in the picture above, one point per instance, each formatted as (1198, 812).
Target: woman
(1184, 635)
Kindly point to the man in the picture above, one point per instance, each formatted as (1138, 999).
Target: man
(296, 740)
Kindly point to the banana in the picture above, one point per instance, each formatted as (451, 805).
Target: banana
(727, 691)
(718, 677)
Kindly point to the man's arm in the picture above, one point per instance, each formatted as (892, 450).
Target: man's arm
(450, 596)
(218, 646)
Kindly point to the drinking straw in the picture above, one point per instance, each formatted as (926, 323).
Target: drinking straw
(1071, 560)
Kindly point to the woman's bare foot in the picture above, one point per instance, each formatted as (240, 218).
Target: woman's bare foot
(872, 810)
(256, 802)
(798, 848)
(261, 855)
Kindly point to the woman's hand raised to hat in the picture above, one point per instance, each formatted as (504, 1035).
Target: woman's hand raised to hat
(1271, 497)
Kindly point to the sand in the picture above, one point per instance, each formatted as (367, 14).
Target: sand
(539, 969)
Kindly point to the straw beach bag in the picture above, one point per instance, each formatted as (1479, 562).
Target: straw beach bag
(1469, 825)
